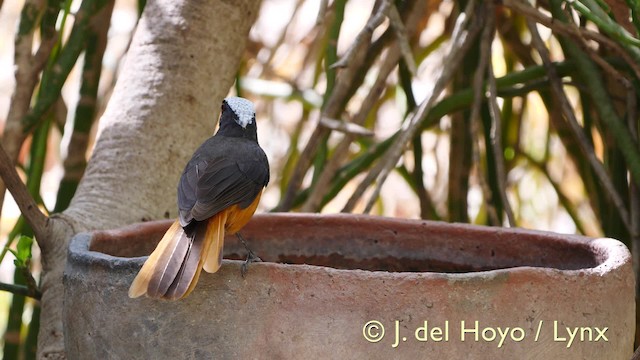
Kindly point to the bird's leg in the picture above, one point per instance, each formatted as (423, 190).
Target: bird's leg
(251, 256)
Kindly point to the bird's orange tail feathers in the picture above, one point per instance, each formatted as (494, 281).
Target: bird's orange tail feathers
(172, 270)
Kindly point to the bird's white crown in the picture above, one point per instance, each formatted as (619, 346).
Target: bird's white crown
(243, 109)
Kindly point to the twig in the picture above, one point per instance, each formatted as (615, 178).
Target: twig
(494, 111)
(27, 67)
(314, 200)
(86, 109)
(274, 49)
(324, 4)
(427, 207)
(415, 178)
(460, 46)
(603, 105)
(52, 83)
(510, 85)
(21, 290)
(26, 203)
(364, 37)
(478, 99)
(630, 99)
(323, 184)
(592, 11)
(314, 40)
(401, 34)
(524, 8)
(333, 106)
(32, 285)
(577, 130)
(345, 127)
(507, 28)
(562, 198)
(462, 39)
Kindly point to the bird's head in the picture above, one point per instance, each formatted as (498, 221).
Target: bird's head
(238, 118)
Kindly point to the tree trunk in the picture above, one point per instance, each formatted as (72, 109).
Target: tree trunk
(181, 64)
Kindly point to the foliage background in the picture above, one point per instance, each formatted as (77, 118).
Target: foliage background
(509, 142)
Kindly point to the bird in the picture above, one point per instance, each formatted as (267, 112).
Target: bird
(218, 193)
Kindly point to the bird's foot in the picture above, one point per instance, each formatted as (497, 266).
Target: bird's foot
(251, 256)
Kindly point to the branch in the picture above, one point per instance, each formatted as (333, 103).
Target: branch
(345, 127)
(283, 36)
(326, 181)
(403, 38)
(579, 33)
(21, 290)
(462, 41)
(562, 198)
(364, 37)
(478, 98)
(314, 202)
(322, 12)
(593, 12)
(27, 68)
(630, 99)
(333, 104)
(494, 111)
(26, 203)
(86, 109)
(577, 130)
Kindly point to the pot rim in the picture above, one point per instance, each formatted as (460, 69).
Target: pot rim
(610, 254)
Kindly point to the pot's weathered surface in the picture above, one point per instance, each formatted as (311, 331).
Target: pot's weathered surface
(439, 291)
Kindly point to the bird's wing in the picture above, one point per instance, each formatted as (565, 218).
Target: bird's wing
(208, 187)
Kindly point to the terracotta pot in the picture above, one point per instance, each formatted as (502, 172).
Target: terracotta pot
(350, 287)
